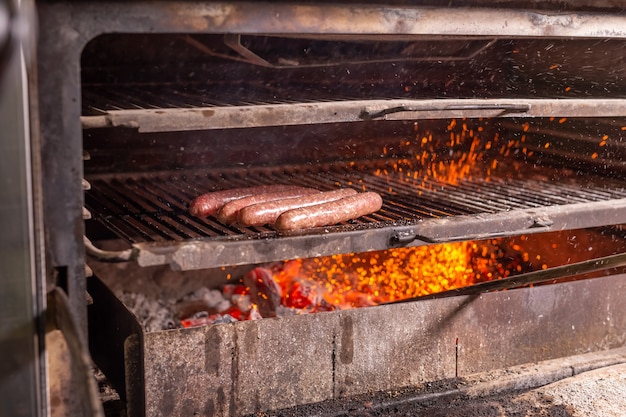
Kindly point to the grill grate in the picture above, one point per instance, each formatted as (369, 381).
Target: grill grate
(153, 208)
(100, 99)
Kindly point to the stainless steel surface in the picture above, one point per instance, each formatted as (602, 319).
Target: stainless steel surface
(233, 370)
(275, 17)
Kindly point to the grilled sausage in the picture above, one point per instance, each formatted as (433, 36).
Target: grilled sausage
(228, 213)
(333, 212)
(267, 213)
(209, 204)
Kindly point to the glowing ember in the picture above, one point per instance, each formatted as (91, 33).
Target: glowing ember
(359, 280)
(365, 279)
(447, 157)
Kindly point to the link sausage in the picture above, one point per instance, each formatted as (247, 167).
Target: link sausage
(267, 213)
(228, 213)
(333, 212)
(209, 204)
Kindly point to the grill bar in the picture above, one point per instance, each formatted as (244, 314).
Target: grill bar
(164, 117)
(150, 212)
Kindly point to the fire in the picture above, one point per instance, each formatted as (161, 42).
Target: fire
(459, 153)
(357, 280)
(348, 281)
(366, 279)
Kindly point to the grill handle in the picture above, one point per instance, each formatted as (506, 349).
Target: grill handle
(445, 231)
(504, 108)
(109, 256)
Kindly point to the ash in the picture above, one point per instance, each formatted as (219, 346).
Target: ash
(202, 306)
(153, 314)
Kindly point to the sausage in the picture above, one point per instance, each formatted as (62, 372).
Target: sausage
(228, 213)
(267, 213)
(333, 212)
(209, 204)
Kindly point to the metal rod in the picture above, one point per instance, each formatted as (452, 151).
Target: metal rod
(109, 256)
(503, 107)
(535, 277)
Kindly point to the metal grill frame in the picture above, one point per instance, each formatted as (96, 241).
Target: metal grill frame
(65, 27)
(151, 213)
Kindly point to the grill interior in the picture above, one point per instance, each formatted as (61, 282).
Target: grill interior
(150, 210)
(127, 72)
(229, 81)
(211, 112)
(153, 208)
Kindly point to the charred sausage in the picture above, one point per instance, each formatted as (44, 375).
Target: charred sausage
(228, 213)
(267, 213)
(333, 212)
(209, 204)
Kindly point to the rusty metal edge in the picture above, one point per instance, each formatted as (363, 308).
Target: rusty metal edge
(208, 253)
(207, 118)
(496, 331)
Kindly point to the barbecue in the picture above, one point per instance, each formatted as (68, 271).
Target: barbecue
(280, 208)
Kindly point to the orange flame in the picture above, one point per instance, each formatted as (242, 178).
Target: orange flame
(365, 279)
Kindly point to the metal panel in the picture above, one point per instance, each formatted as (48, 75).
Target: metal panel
(275, 17)
(22, 375)
(255, 366)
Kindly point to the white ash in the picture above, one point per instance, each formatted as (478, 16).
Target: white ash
(241, 301)
(211, 299)
(153, 314)
(226, 318)
(156, 314)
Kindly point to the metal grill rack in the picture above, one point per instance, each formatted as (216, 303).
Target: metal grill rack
(169, 108)
(150, 212)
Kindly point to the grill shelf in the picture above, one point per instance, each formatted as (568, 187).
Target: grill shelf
(143, 112)
(392, 78)
(150, 212)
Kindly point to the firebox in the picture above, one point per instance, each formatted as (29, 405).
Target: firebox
(493, 135)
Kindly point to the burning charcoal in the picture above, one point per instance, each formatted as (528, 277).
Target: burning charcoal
(200, 315)
(223, 306)
(210, 298)
(242, 302)
(231, 289)
(235, 313)
(154, 315)
(264, 291)
(206, 320)
(301, 295)
(213, 298)
(225, 318)
(186, 308)
(198, 321)
(254, 314)
(200, 300)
